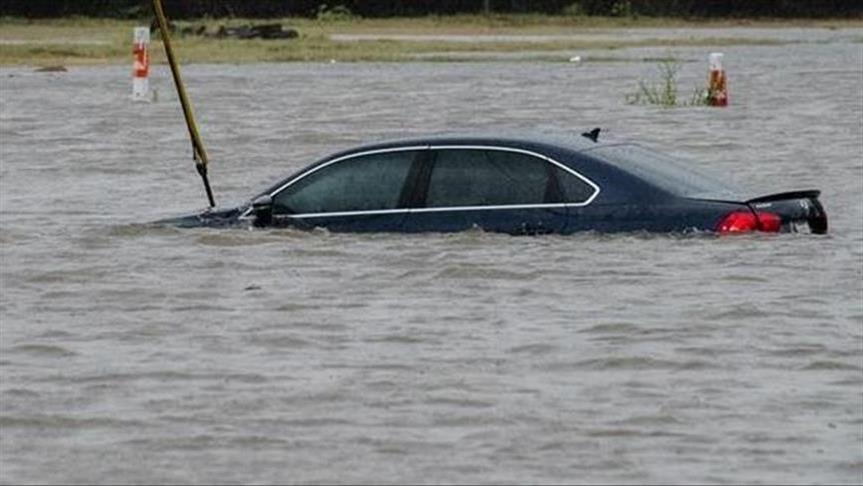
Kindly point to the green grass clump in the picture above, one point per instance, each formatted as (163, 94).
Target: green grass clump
(664, 92)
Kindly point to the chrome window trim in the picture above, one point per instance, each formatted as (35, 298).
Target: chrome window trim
(596, 189)
(335, 214)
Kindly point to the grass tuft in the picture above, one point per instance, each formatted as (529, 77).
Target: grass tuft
(664, 92)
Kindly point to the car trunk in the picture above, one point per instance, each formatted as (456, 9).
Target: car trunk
(797, 210)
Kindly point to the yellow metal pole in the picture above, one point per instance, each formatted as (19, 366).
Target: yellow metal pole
(200, 153)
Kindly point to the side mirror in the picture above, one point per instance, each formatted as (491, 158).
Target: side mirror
(262, 208)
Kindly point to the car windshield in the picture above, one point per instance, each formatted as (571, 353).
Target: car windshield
(666, 172)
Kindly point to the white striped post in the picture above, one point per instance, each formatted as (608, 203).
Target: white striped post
(141, 64)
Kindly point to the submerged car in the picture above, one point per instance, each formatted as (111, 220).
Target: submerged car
(515, 186)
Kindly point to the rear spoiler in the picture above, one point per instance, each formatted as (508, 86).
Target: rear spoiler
(796, 206)
(810, 194)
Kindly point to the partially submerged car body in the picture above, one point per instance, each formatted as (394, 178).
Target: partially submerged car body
(515, 186)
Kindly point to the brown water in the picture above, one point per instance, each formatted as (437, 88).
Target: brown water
(134, 354)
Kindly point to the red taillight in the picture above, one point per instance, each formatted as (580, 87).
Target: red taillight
(742, 221)
(770, 222)
(738, 222)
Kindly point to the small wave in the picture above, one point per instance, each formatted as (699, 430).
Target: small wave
(199, 442)
(226, 238)
(740, 312)
(798, 351)
(642, 420)
(630, 363)
(732, 278)
(758, 451)
(613, 327)
(533, 349)
(694, 365)
(473, 420)
(20, 392)
(555, 445)
(278, 342)
(854, 381)
(134, 230)
(319, 253)
(46, 350)
(161, 376)
(397, 339)
(311, 422)
(703, 351)
(391, 450)
(388, 367)
(56, 334)
(54, 277)
(460, 402)
(485, 273)
(451, 386)
(315, 325)
(295, 306)
(628, 432)
(64, 422)
(830, 365)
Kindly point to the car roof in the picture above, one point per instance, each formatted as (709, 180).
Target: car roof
(541, 143)
(595, 166)
(574, 143)
(667, 173)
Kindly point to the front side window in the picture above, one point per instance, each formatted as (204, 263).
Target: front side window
(365, 183)
(488, 178)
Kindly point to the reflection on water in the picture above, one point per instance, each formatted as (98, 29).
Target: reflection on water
(133, 353)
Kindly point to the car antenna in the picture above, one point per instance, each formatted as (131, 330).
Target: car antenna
(593, 134)
(199, 153)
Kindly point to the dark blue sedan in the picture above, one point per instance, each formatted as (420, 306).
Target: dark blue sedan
(516, 186)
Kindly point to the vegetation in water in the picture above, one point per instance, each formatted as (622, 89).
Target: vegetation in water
(664, 92)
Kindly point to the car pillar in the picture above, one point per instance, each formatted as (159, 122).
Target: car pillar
(262, 208)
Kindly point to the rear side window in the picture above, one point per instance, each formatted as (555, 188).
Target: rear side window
(365, 183)
(572, 188)
(666, 172)
(488, 178)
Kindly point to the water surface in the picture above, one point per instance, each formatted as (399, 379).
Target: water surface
(136, 354)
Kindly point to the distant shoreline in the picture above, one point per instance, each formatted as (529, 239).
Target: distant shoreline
(97, 41)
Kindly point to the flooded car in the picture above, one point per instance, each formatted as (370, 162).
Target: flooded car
(516, 186)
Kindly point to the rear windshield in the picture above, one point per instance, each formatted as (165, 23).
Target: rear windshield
(670, 174)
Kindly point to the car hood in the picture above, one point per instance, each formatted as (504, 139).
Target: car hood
(210, 217)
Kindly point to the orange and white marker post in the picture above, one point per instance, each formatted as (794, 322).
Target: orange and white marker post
(717, 88)
(141, 66)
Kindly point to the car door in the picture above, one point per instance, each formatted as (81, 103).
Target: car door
(368, 191)
(493, 188)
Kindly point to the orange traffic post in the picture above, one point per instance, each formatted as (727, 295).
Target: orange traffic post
(717, 87)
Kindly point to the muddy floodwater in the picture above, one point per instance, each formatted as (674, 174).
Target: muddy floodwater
(137, 354)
